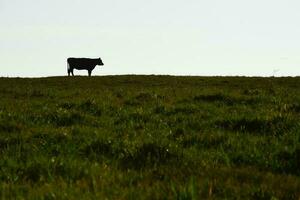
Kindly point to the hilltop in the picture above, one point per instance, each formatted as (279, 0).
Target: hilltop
(150, 137)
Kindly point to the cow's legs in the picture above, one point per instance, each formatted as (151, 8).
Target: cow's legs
(72, 71)
(90, 72)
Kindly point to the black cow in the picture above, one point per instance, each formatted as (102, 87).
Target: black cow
(83, 63)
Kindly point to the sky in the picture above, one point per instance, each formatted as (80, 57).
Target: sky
(175, 37)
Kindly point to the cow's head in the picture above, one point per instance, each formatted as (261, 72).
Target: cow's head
(99, 61)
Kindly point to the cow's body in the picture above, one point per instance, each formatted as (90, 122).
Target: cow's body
(83, 63)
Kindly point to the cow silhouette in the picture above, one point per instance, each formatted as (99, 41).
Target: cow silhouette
(83, 63)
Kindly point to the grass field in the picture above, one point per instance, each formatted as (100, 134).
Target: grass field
(150, 137)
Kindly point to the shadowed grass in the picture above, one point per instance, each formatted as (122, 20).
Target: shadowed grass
(277, 125)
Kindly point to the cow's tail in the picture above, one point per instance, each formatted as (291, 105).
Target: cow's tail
(68, 68)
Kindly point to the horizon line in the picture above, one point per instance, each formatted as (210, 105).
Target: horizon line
(177, 75)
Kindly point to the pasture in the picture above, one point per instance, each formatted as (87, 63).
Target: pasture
(149, 137)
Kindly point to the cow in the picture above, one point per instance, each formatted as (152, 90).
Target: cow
(83, 63)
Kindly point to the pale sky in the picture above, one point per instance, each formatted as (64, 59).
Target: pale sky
(176, 37)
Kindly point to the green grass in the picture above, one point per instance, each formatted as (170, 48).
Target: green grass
(150, 137)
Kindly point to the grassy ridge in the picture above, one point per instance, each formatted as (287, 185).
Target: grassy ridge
(150, 137)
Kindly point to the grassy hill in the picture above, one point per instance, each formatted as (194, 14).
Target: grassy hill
(150, 137)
